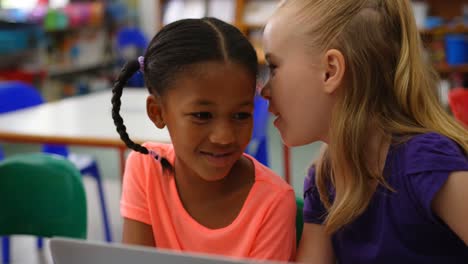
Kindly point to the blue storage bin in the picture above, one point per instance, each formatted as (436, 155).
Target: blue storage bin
(456, 49)
(8, 42)
(433, 22)
(18, 37)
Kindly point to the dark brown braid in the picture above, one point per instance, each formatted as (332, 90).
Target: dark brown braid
(125, 74)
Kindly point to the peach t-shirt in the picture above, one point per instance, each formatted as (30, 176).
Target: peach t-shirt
(264, 228)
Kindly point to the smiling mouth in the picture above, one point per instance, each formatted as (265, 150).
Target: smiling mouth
(217, 155)
(218, 159)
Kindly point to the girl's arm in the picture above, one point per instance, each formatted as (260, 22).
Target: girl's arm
(137, 233)
(451, 206)
(134, 206)
(315, 246)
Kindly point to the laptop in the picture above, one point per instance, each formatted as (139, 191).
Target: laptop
(72, 251)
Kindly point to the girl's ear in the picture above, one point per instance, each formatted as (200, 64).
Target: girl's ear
(154, 111)
(334, 70)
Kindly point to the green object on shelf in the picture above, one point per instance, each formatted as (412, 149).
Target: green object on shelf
(42, 195)
(55, 20)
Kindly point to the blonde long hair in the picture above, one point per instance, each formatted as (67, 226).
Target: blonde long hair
(389, 83)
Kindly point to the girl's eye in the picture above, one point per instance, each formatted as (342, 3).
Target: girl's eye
(242, 116)
(272, 68)
(202, 115)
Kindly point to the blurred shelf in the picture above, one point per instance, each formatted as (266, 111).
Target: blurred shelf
(74, 29)
(61, 71)
(445, 68)
(445, 30)
(10, 60)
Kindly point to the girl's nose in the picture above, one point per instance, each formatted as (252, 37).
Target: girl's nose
(223, 134)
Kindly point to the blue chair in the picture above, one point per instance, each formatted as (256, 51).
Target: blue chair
(258, 145)
(131, 42)
(18, 95)
(131, 36)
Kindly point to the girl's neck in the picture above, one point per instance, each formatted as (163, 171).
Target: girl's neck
(215, 204)
(194, 188)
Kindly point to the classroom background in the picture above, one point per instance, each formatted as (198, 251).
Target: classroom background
(71, 49)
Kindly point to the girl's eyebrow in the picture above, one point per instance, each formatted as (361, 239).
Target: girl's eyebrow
(203, 102)
(246, 103)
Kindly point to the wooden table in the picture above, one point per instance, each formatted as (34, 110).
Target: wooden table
(83, 120)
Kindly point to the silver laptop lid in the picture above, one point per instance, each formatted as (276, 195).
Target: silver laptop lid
(71, 251)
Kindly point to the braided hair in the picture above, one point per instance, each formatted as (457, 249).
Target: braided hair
(177, 48)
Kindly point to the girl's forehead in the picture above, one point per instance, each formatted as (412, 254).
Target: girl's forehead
(280, 35)
(275, 31)
(283, 40)
(214, 81)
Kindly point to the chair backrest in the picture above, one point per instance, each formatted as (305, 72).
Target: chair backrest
(131, 36)
(131, 42)
(16, 95)
(458, 100)
(43, 195)
(299, 219)
(258, 144)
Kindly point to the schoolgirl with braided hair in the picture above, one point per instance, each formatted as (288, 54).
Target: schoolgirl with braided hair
(202, 193)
